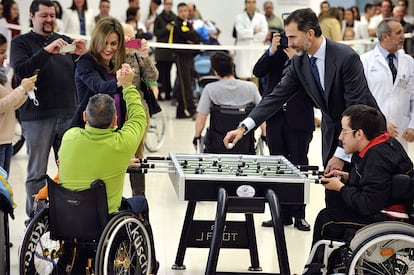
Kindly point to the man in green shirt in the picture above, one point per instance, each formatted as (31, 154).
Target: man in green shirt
(100, 150)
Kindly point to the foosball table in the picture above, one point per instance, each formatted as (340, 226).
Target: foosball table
(239, 184)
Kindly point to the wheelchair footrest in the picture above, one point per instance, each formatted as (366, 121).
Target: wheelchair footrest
(314, 268)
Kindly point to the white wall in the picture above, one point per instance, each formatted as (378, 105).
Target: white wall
(223, 12)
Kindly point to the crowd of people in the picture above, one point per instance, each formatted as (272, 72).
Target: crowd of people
(57, 87)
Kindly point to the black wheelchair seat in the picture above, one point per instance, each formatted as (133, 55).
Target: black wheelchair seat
(224, 118)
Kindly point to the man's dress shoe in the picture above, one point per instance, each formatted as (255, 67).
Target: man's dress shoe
(302, 225)
(269, 223)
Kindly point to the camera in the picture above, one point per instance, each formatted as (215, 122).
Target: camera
(284, 42)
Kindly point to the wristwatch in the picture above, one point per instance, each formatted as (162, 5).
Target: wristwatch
(242, 125)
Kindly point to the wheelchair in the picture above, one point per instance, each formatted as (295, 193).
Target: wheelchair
(224, 118)
(70, 234)
(380, 248)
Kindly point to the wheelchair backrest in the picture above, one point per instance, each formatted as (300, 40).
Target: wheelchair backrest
(402, 191)
(402, 187)
(77, 214)
(224, 118)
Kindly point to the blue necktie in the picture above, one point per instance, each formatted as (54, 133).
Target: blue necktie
(390, 58)
(315, 72)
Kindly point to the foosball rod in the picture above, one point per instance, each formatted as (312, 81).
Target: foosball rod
(267, 163)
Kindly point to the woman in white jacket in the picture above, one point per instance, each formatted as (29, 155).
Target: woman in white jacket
(78, 19)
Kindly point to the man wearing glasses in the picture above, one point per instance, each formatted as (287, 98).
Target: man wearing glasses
(365, 191)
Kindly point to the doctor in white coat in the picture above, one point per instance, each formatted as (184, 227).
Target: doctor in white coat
(394, 97)
(251, 28)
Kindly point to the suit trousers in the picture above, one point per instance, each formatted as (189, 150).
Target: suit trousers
(185, 73)
(164, 69)
(294, 145)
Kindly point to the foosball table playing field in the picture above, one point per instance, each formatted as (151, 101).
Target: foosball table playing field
(198, 177)
(239, 184)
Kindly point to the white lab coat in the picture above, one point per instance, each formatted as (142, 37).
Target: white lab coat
(246, 59)
(396, 101)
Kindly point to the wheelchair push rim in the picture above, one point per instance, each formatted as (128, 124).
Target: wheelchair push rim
(124, 247)
(390, 253)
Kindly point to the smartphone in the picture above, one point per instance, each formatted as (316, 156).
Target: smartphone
(67, 48)
(133, 44)
(36, 72)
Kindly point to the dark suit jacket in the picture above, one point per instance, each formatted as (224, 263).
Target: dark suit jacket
(299, 111)
(345, 85)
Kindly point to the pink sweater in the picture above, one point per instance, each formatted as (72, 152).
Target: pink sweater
(10, 100)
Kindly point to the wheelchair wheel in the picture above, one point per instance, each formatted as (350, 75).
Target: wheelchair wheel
(124, 247)
(388, 253)
(156, 133)
(38, 254)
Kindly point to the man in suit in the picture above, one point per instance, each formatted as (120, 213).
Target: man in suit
(334, 82)
(289, 130)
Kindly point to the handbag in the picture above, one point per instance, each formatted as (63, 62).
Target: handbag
(153, 106)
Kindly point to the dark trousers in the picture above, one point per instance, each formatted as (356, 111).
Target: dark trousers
(294, 145)
(185, 69)
(340, 224)
(164, 78)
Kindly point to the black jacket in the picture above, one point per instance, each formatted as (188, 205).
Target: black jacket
(369, 185)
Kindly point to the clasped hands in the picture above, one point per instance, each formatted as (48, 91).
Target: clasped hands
(125, 75)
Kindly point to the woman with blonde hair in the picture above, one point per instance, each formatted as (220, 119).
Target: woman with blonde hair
(95, 70)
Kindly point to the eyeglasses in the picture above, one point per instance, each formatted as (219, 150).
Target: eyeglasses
(343, 132)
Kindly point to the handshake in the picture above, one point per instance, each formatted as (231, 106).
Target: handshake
(125, 75)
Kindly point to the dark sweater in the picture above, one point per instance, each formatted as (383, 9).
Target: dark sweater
(55, 83)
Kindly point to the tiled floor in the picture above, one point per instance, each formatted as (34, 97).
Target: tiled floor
(167, 213)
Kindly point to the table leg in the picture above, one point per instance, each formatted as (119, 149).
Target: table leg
(185, 232)
(251, 233)
(222, 204)
(279, 232)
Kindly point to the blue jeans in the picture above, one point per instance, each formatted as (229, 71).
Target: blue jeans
(6, 153)
(41, 136)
